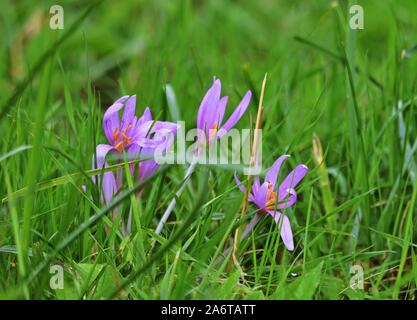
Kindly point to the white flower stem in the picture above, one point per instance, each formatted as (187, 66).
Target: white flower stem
(171, 205)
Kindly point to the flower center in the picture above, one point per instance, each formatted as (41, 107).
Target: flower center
(271, 197)
(121, 140)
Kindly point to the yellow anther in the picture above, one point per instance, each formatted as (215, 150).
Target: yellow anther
(116, 134)
(271, 200)
(127, 128)
(120, 146)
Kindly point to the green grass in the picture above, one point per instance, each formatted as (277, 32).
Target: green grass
(341, 101)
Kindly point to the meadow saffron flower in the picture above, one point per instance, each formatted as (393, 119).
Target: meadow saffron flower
(129, 131)
(138, 137)
(211, 113)
(272, 200)
(133, 135)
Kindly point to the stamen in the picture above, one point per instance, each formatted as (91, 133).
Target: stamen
(270, 203)
(116, 134)
(127, 128)
(120, 146)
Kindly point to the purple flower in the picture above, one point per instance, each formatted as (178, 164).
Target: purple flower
(270, 199)
(211, 113)
(129, 131)
(139, 138)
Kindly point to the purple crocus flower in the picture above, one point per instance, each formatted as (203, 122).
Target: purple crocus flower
(271, 199)
(138, 137)
(211, 113)
(128, 131)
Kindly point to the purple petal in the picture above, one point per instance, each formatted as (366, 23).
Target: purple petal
(165, 126)
(152, 133)
(146, 129)
(129, 112)
(215, 114)
(167, 138)
(241, 186)
(256, 185)
(101, 152)
(146, 169)
(160, 136)
(210, 100)
(133, 152)
(286, 232)
(111, 118)
(260, 197)
(221, 107)
(236, 115)
(288, 200)
(272, 174)
(293, 178)
(146, 143)
(147, 116)
(109, 186)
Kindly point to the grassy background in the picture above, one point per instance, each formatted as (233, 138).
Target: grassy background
(350, 93)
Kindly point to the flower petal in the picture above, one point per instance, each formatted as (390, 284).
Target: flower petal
(111, 118)
(286, 232)
(272, 174)
(146, 169)
(101, 153)
(236, 115)
(215, 113)
(221, 108)
(207, 105)
(109, 186)
(147, 116)
(129, 112)
(240, 185)
(260, 196)
(288, 200)
(152, 133)
(256, 184)
(293, 178)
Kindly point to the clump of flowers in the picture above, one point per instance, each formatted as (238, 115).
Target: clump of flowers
(141, 138)
(138, 138)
